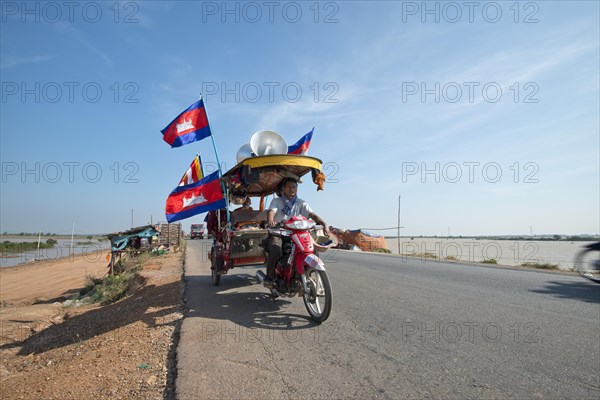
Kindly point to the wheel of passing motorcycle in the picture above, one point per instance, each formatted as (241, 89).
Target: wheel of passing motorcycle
(587, 264)
(214, 265)
(318, 299)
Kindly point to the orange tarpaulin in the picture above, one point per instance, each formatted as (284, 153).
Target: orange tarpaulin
(364, 240)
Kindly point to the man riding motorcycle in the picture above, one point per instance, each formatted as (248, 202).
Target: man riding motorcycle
(280, 209)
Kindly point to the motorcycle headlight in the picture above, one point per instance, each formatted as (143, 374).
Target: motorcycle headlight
(302, 225)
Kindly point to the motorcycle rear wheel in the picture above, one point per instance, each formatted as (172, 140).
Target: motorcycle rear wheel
(586, 264)
(318, 301)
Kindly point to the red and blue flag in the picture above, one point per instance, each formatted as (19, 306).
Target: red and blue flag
(301, 146)
(197, 198)
(189, 126)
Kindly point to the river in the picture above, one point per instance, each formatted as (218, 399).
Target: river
(94, 251)
(506, 252)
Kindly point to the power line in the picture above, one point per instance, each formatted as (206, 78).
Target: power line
(381, 229)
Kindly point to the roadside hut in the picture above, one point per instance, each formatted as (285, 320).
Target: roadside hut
(134, 240)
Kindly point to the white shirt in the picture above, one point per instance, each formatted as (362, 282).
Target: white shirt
(298, 207)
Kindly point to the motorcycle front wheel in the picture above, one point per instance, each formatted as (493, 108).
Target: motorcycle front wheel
(587, 264)
(318, 299)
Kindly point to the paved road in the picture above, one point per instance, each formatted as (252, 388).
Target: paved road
(400, 328)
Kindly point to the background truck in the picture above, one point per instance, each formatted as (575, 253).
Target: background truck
(197, 231)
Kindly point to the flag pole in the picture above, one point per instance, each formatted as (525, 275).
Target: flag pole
(212, 137)
(200, 162)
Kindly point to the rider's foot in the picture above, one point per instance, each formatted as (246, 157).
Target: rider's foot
(268, 283)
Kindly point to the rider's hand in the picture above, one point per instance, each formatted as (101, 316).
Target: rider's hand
(272, 224)
(327, 231)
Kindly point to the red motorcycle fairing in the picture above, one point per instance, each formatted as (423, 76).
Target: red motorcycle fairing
(304, 245)
(303, 241)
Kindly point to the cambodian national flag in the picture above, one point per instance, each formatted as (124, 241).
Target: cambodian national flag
(197, 198)
(189, 126)
(301, 146)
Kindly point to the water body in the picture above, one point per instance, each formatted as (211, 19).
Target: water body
(506, 252)
(92, 252)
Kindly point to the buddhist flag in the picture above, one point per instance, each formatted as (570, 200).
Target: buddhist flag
(193, 174)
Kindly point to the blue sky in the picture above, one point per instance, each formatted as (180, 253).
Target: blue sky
(393, 91)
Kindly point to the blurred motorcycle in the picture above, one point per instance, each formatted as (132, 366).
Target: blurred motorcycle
(587, 262)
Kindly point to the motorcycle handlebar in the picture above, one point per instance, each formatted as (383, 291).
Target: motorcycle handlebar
(280, 226)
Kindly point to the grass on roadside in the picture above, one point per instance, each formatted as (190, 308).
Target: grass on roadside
(114, 287)
(90, 284)
(108, 289)
(421, 255)
(540, 265)
(380, 250)
(490, 261)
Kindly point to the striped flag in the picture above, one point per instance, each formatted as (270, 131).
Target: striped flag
(189, 126)
(197, 198)
(193, 174)
(301, 146)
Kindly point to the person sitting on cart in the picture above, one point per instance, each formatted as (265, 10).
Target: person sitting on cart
(212, 222)
(247, 206)
(281, 209)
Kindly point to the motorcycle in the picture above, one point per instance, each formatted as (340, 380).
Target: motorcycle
(299, 271)
(239, 236)
(587, 262)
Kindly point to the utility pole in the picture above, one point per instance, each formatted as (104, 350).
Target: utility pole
(132, 218)
(72, 233)
(39, 240)
(399, 198)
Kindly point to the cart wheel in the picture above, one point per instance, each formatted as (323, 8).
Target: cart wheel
(216, 278)
(216, 263)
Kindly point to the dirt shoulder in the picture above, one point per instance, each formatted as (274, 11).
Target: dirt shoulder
(48, 281)
(122, 350)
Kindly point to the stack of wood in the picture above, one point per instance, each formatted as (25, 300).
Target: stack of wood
(170, 235)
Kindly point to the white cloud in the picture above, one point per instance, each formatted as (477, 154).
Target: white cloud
(11, 61)
(70, 30)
